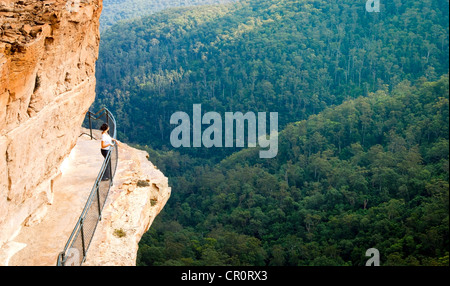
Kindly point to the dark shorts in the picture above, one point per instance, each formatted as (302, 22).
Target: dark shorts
(108, 167)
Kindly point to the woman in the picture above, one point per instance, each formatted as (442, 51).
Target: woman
(107, 143)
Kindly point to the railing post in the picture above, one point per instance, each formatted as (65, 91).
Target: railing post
(60, 261)
(110, 165)
(82, 238)
(98, 201)
(90, 125)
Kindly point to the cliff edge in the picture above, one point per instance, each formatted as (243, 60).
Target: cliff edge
(48, 50)
(139, 193)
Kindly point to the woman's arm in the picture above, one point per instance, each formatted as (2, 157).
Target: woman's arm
(104, 145)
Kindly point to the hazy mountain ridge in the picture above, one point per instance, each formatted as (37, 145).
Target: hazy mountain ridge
(293, 57)
(122, 10)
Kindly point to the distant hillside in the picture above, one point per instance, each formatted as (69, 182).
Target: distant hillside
(371, 172)
(295, 57)
(120, 10)
(363, 154)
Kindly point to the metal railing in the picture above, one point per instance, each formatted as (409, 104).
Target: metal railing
(75, 250)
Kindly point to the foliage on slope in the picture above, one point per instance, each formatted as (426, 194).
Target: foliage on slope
(295, 57)
(371, 172)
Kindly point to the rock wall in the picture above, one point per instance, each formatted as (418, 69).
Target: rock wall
(48, 51)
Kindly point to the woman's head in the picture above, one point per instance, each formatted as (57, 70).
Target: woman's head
(104, 127)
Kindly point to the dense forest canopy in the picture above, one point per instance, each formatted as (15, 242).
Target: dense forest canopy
(122, 10)
(292, 57)
(364, 125)
(371, 172)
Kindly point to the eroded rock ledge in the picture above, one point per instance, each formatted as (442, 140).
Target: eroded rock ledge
(138, 195)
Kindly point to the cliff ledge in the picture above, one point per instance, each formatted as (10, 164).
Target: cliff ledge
(139, 193)
(48, 50)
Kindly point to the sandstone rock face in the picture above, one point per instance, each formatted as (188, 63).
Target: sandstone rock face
(139, 193)
(48, 51)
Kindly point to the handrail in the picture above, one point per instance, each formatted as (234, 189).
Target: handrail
(96, 116)
(77, 245)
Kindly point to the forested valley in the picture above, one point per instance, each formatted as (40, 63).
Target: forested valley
(122, 10)
(363, 107)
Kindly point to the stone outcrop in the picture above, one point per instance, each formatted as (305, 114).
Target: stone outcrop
(48, 51)
(139, 193)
